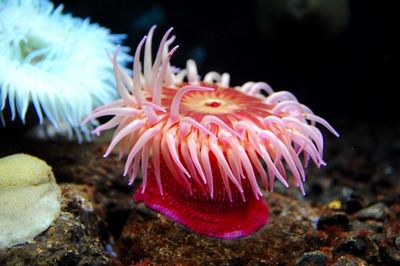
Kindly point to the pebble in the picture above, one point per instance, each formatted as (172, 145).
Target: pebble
(397, 242)
(371, 225)
(329, 219)
(376, 212)
(355, 245)
(316, 257)
(352, 201)
(391, 254)
(348, 260)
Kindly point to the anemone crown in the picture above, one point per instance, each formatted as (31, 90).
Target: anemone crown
(56, 62)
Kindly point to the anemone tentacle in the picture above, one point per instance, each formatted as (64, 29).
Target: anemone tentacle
(175, 118)
(55, 62)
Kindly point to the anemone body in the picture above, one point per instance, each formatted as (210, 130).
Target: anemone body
(202, 147)
(56, 62)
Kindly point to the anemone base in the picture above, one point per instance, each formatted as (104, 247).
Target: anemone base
(218, 217)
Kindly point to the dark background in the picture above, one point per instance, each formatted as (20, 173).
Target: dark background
(349, 73)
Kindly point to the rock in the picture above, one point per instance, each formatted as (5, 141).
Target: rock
(391, 256)
(333, 218)
(376, 212)
(354, 245)
(397, 242)
(352, 201)
(29, 196)
(152, 236)
(371, 225)
(357, 245)
(317, 258)
(75, 238)
(348, 260)
(391, 252)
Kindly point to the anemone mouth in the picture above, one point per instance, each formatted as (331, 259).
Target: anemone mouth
(226, 103)
(218, 102)
(221, 101)
(208, 103)
(33, 50)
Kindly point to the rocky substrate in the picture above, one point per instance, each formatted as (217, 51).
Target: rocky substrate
(77, 237)
(350, 215)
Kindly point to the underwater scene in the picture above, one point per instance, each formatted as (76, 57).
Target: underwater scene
(261, 132)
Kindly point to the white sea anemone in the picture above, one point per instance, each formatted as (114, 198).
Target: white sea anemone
(55, 61)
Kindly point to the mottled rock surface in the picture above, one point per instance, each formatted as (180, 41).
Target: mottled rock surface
(152, 237)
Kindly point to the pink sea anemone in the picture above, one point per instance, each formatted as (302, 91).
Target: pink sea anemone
(202, 146)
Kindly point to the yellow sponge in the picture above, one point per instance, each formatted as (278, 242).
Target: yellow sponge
(29, 198)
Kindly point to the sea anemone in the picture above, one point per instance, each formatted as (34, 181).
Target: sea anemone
(201, 146)
(56, 62)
